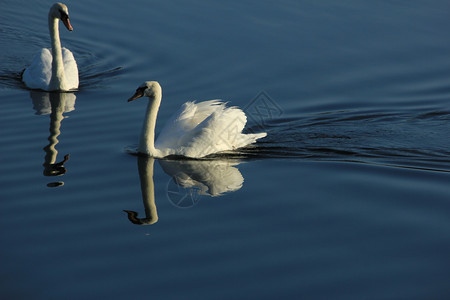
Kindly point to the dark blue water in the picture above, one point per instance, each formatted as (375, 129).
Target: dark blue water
(346, 198)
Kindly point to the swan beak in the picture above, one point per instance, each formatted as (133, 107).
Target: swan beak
(138, 94)
(66, 23)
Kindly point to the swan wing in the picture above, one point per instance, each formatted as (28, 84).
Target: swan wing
(180, 127)
(70, 69)
(200, 129)
(39, 73)
(191, 114)
(221, 131)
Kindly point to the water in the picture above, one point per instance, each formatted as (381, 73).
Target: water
(347, 197)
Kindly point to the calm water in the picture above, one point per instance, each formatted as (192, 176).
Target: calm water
(347, 198)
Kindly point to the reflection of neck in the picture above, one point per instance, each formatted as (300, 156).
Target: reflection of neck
(58, 80)
(145, 166)
(57, 103)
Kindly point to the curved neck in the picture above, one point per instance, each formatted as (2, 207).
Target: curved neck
(58, 80)
(147, 140)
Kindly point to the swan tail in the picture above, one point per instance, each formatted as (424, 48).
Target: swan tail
(248, 139)
(256, 136)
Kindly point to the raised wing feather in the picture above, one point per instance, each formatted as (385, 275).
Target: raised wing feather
(179, 129)
(200, 129)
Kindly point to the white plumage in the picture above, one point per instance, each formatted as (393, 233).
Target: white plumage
(196, 130)
(38, 75)
(53, 69)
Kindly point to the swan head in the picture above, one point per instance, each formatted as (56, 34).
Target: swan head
(60, 11)
(150, 89)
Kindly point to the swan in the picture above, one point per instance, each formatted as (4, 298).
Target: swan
(195, 130)
(53, 69)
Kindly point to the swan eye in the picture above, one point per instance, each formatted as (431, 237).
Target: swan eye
(141, 89)
(63, 14)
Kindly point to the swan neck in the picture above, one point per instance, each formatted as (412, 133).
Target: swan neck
(147, 140)
(58, 80)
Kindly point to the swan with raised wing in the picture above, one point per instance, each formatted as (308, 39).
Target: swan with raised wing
(53, 69)
(196, 130)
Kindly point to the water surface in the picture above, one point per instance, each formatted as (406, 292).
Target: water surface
(346, 198)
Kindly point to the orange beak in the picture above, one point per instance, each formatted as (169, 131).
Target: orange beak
(66, 23)
(139, 93)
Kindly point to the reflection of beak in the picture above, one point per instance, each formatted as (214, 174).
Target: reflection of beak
(133, 217)
(139, 93)
(66, 23)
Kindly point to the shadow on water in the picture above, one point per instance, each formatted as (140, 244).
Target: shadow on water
(190, 179)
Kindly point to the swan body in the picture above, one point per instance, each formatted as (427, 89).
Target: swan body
(195, 130)
(53, 69)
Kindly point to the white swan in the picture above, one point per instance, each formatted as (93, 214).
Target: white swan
(196, 130)
(53, 69)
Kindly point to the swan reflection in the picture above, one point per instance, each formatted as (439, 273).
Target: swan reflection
(189, 180)
(55, 104)
(213, 178)
(145, 167)
(45, 103)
